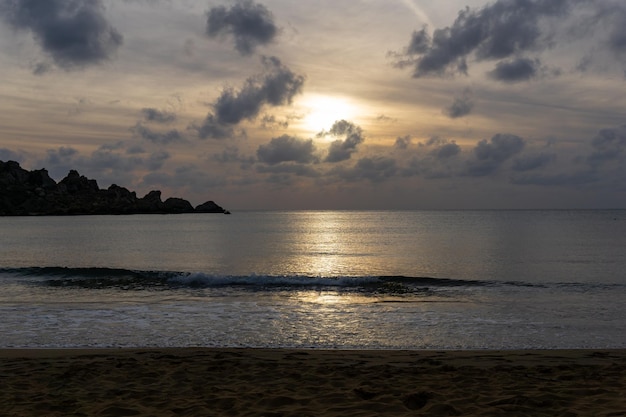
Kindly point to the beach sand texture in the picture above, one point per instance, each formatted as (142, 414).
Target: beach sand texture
(279, 382)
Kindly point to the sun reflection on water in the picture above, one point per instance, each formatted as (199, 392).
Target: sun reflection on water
(334, 298)
(330, 244)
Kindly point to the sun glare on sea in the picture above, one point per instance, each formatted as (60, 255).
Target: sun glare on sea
(322, 111)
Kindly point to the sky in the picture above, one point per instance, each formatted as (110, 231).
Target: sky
(342, 104)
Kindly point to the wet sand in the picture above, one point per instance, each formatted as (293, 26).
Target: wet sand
(279, 382)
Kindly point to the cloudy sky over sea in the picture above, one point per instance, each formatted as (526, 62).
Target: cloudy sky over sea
(323, 104)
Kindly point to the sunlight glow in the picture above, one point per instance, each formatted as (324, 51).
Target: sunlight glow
(323, 111)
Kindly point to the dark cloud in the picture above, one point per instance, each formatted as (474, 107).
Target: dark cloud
(162, 138)
(135, 149)
(618, 40)
(375, 169)
(440, 148)
(533, 161)
(489, 156)
(158, 116)
(270, 121)
(275, 87)
(515, 70)
(402, 142)
(341, 150)
(9, 155)
(212, 128)
(191, 177)
(59, 156)
(603, 166)
(608, 145)
(105, 160)
(75, 33)
(446, 151)
(156, 160)
(287, 149)
(500, 30)
(106, 164)
(231, 154)
(613, 17)
(461, 106)
(437, 158)
(420, 42)
(250, 24)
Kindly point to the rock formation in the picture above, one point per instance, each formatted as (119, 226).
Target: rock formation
(34, 193)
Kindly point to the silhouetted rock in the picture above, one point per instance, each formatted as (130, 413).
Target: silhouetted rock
(209, 207)
(28, 193)
(177, 205)
(151, 203)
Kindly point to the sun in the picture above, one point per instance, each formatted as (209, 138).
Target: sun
(322, 111)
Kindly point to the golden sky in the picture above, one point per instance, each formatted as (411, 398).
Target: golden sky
(343, 104)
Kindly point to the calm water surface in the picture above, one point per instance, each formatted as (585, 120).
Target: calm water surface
(338, 279)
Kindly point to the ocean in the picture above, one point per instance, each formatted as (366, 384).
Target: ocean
(316, 279)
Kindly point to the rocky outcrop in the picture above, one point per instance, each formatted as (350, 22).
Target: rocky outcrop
(34, 193)
(210, 207)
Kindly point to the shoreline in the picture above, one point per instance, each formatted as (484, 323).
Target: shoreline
(310, 382)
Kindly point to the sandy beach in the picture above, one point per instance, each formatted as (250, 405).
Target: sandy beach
(278, 382)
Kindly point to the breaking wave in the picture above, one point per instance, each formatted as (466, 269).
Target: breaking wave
(125, 279)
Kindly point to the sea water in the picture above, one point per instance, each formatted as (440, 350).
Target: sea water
(316, 279)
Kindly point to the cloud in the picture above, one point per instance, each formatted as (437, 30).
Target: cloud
(75, 33)
(156, 160)
(402, 142)
(276, 86)
(384, 118)
(441, 148)
(447, 150)
(154, 115)
(515, 70)
(617, 40)
(60, 156)
(341, 150)
(287, 149)
(42, 68)
(213, 128)
(437, 159)
(604, 166)
(533, 161)
(269, 121)
(9, 155)
(489, 156)
(231, 155)
(374, 169)
(135, 149)
(461, 106)
(162, 138)
(250, 24)
(109, 163)
(503, 29)
(608, 145)
(105, 164)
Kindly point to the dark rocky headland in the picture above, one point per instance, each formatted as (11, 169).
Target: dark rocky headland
(34, 193)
